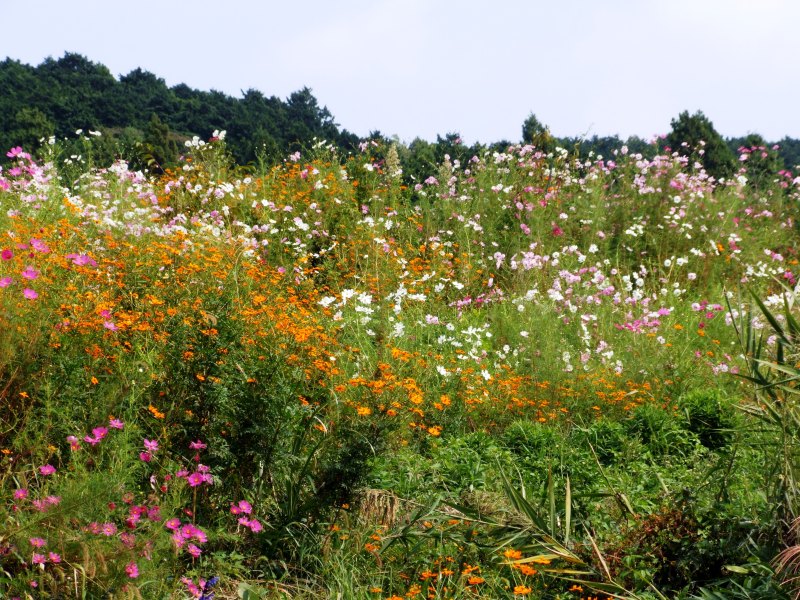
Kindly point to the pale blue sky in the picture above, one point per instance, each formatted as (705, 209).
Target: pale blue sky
(418, 68)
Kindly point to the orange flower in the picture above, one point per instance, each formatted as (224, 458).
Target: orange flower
(522, 590)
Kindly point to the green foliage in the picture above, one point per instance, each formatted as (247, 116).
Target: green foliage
(537, 134)
(694, 136)
(659, 429)
(710, 416)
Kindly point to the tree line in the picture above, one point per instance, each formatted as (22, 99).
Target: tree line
(142, 119)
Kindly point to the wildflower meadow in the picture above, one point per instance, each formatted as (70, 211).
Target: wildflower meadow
(529, 374)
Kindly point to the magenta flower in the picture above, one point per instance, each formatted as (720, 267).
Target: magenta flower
(195, 479)
(54, 558)
(74, 444)
(255, 526)
(5, 282)
(100, 432)
(132, 569)
(39, 246)
(145, 456)
(38, 542)
(173, 524)
(6, 254)
(108, 529)
(47, 470)
(81, 260)
(116, 424)
(151, 446)
(198, 445)
(242, 507)
(30, 294)
(39, 559)
(20, 494)
(30, 273)
(194, 550)
(110, 326)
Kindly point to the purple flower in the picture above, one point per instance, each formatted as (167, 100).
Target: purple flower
(47, 470)
(194, 550)
(30, 294)
(173, 524)
(151, 446)
(6, 254)
(39, 559)
(38, 542)
(5, 282)
(20, 494)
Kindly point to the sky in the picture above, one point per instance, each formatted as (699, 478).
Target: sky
(418, 68)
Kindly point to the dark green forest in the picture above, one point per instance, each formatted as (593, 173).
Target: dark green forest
(142, 119)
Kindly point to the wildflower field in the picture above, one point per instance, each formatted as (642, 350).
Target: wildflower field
(526, 376)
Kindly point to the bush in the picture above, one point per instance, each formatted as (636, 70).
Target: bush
(709, 416)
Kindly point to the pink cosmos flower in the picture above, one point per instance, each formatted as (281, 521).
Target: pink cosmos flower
(132, 569)
(39, 246)
(30, 294)
(74, 444)
(81, 260)
(5, 282)
(100, 432)
(6, 254)
(198, 445)
(195, 479)
(255, 526)
(151, 446)
(108, 529)
(30, 273)
(145, 456)
(242, 507)
(47, 470)
(116, 424)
